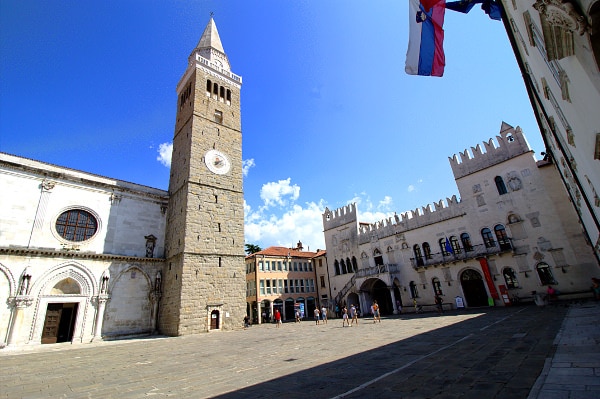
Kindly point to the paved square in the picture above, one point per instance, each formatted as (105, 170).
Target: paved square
(494, 352)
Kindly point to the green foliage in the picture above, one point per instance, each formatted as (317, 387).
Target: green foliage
(252, 248)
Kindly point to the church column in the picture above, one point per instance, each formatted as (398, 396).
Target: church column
(21, 302)
(394, 303)
(101, 302)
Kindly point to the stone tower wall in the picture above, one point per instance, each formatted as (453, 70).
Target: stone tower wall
(205, 268)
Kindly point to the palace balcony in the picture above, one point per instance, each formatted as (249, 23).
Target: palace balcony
(464, 254)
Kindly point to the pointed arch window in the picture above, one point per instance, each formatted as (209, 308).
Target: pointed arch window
(418, 255)
(466, 242)
(208, 87)
(488, 238)
(343, 265)
(336, 265)
(500, 185)
(349, 265)
(354, 264)
(377, 257)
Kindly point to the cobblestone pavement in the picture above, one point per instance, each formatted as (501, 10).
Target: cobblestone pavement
(485, 353)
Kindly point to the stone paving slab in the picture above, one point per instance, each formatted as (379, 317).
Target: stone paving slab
(487, 353)
(574, 369)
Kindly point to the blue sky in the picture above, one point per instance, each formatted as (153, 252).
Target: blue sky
(329, 116)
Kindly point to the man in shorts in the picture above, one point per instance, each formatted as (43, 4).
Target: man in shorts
(375, 311)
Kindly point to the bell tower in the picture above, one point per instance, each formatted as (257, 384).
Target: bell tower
(204, 280)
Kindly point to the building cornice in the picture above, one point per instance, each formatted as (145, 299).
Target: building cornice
(64, 253)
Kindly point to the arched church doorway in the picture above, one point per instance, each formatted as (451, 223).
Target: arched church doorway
(214, 320)
(473, 288)
(59, 323)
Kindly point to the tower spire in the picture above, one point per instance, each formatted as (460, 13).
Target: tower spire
(210, 46)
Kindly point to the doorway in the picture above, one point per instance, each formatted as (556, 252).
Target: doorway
(59, 323)
(473, 288)
(214, 320)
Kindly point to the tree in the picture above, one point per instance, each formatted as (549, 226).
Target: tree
(252, 249)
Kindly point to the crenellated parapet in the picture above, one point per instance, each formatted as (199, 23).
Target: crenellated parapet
(339, 217)
(411, 220)
(511, 143)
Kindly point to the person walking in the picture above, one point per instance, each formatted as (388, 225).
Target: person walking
(345, 317)
(375, 311)
(324, 314)
(297, 316)
(316, 312)
(354, 315)
(277, 318)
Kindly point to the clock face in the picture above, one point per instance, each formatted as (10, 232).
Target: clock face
(217, 162)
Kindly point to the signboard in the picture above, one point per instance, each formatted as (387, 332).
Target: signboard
(459, 302)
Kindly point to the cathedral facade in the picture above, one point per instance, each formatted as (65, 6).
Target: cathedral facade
(510, 235)
(85, 257)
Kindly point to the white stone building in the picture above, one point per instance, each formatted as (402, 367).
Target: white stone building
(80, 254)
(513, 232)
(557, 47)
(85, 257)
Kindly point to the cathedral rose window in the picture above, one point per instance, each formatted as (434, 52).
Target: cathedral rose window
(76, 225)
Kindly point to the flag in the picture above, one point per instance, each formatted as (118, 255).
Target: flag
(425, 54)
(491, 7)
(448, 246)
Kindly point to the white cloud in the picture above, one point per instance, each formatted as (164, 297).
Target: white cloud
(165, 150)
(246, 165)
(386, 203)
(279, 193)
(296, 223)
(413, 187)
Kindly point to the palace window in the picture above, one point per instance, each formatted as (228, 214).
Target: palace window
(510, 278)
(414, 291)
(455, 245)
(488, 238)
(437, 286)
(418, 255)
(466, 242)
(502, 238)
(500, 185)
(545, 274)
(426, 250)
